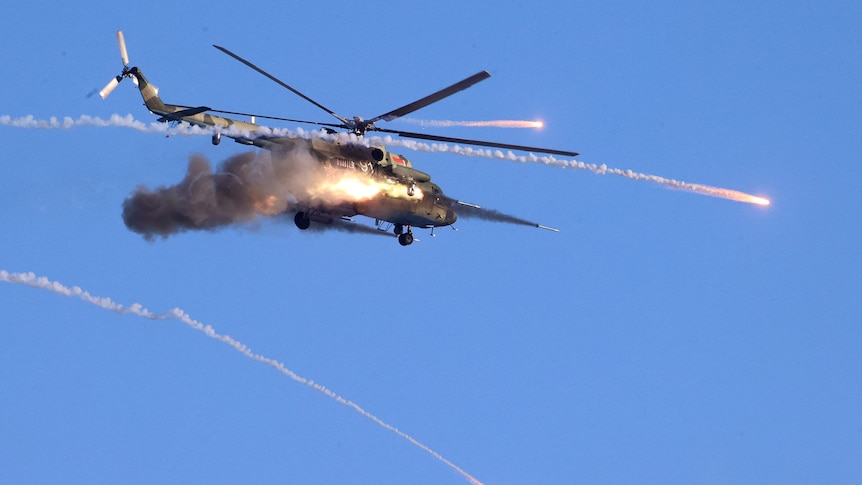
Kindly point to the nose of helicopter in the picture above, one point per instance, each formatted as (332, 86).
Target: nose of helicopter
(451, 216)
(445, 212)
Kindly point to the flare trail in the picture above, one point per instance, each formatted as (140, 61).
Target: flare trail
(30, 279)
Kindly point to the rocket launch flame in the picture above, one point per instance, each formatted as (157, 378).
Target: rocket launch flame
(349, 187)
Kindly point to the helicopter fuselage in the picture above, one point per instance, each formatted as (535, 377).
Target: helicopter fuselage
(407, 198)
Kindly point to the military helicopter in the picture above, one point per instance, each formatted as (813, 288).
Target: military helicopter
(408, 197)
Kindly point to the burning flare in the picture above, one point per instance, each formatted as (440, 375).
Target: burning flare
(726, 194)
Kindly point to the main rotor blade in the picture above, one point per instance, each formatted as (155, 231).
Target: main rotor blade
(433, 98)
(281, 83)
(481, 143)
(250, 115)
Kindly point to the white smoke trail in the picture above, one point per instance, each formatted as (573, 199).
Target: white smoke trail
(67, 122)
(44, 283)
(576, 165)
(129, 122)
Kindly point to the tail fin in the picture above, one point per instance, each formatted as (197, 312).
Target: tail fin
(170, 112)
(149, 92)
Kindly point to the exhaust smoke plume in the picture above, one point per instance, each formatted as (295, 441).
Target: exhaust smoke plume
(473, 211)
(137, 309)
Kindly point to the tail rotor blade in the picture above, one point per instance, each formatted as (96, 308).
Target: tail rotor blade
(109, 88)
(123, 52)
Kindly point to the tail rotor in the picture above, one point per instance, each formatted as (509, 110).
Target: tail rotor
(127, 72)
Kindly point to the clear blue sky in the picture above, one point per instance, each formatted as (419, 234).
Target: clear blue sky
(660, 337)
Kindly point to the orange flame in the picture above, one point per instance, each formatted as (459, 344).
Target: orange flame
(351, 188)
(728, 194)
(268, 206)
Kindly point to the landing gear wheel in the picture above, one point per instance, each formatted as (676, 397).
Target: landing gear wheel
(405, 239)
(399, 229)
(301, 220)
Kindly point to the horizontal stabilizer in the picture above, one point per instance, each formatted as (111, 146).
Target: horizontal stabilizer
(178, 115)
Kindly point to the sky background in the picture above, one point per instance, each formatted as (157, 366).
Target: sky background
(660, 337)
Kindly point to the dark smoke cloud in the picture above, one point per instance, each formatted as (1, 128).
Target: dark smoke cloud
(244, 187)
(202, 200)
